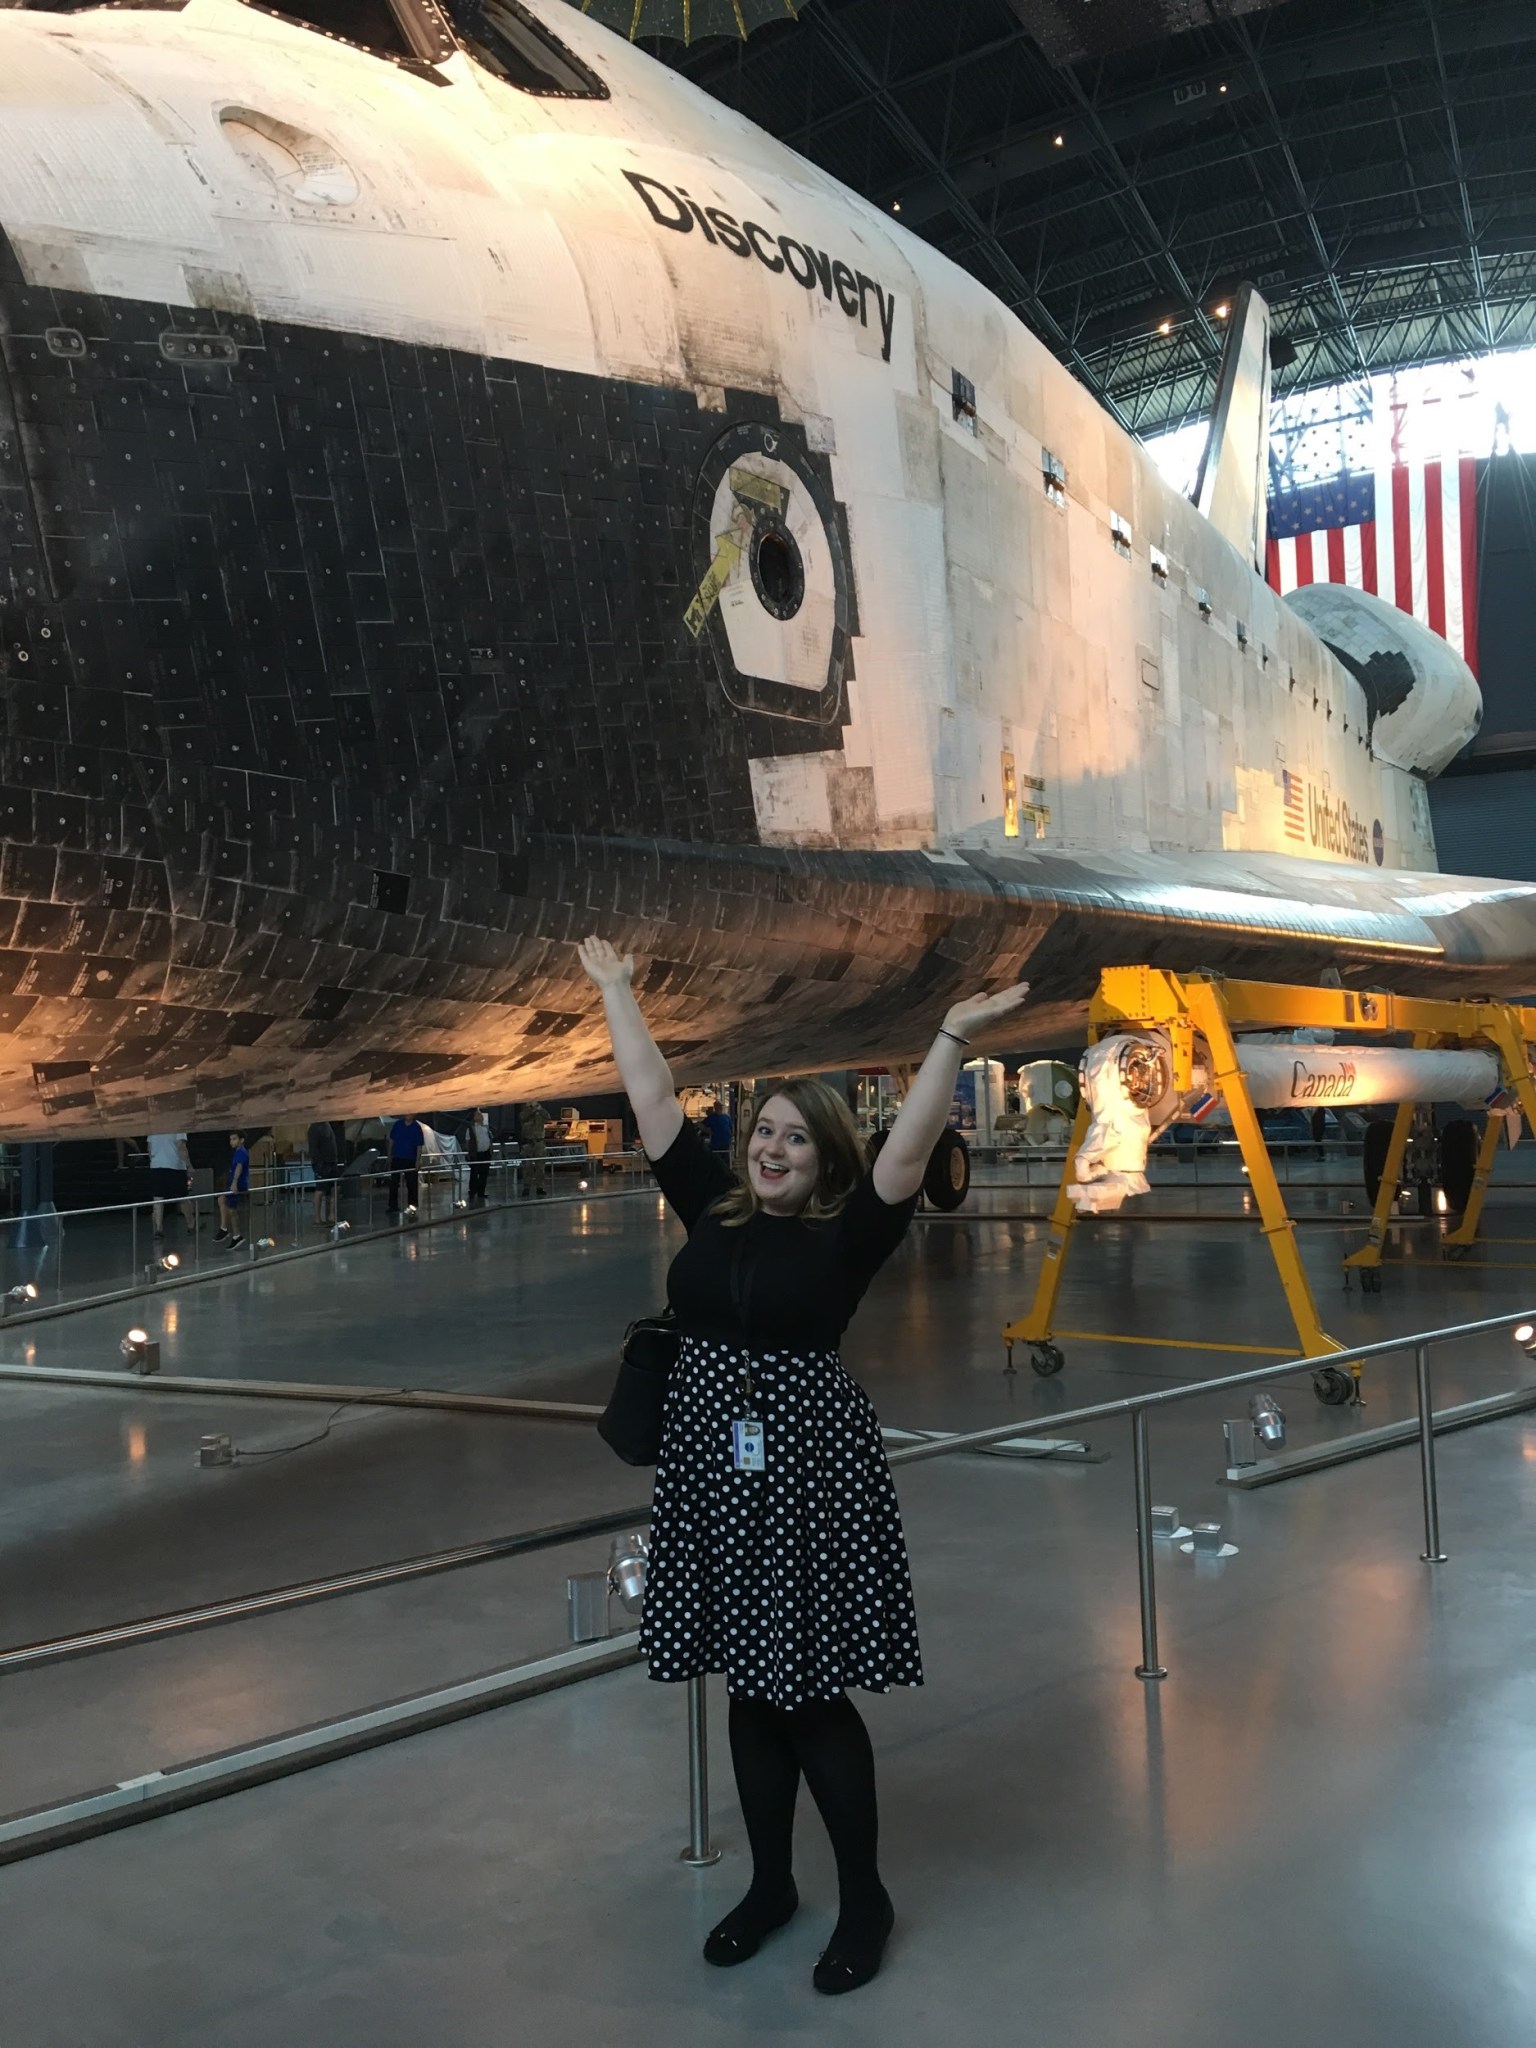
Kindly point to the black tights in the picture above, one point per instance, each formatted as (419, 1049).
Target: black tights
(826, 1742)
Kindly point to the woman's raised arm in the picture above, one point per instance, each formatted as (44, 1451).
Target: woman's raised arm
(903, 1161)
(645, 1074)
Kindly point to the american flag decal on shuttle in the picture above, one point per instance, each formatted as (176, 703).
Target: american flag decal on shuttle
(1295, 791)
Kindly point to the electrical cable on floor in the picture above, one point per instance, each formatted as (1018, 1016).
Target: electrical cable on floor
(239, 1454)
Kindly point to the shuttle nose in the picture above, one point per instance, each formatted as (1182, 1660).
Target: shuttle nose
(98, 195)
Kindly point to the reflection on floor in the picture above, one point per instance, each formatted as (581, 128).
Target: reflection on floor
(1313, 1831)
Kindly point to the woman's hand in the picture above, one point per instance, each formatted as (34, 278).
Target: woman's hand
(605, 965)
(977, 1013)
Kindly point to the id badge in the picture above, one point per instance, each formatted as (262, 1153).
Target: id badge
(748, 1450)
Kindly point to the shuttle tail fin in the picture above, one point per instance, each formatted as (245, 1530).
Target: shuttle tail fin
(1231, 487)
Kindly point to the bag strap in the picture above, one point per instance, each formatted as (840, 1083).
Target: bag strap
(741, 1290)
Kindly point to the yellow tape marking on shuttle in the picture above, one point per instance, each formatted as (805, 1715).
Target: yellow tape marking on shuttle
(759, 490)
(718, 574)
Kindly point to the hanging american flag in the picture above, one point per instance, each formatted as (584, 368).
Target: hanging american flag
(1408, 534)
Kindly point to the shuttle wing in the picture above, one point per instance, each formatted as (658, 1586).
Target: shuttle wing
(826, 939)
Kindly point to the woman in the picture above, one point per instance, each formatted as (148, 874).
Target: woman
(776, 1547)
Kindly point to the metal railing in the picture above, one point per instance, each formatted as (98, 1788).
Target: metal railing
(79, 1257)
(700, 1851)
(26, 1834)
(336, 1585)
(1217, 1162)
(1138, 1407)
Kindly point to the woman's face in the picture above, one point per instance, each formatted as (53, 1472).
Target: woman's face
(783, 1165)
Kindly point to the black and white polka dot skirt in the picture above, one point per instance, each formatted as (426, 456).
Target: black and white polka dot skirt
(793, 1581)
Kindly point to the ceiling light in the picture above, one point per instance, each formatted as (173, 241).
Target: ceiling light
(1223, 310)
(1060, 141)
(1165, 327)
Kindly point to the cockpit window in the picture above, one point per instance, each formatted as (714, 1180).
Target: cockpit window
(498, 34)
(97, 6)
(510, 43)
(371, 23)
(409, 31)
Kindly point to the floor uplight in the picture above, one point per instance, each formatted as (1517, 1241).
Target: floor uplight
(140, 1351)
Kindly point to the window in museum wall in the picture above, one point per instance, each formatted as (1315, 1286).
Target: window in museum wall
(510, 43)
(963, 398)
(1120, 534)
(1053, 474)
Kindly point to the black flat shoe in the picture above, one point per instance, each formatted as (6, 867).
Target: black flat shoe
(742, 1933)
(855, 1963)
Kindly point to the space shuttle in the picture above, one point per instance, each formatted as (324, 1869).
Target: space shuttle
(461, 488)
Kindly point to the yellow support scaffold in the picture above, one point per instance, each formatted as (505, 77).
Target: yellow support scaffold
(1192, 1008)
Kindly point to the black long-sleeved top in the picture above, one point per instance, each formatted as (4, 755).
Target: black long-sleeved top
(798, 1282)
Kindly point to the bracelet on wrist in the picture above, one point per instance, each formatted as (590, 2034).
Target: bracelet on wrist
(945, 1032)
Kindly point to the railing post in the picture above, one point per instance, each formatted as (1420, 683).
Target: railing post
(1149, 1667)
(1431, 1553)
(699, 1854)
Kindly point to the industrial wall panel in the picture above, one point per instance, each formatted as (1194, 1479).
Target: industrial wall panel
(1486, 824)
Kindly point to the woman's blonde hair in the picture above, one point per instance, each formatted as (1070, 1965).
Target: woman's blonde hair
(839, 1151)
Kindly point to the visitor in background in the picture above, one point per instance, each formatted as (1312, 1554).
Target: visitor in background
(717, 1129)
(170, 1175)
(533, 1147)
(235, 1190)
(477, 1143)
(325, 1164)
(406, 1139)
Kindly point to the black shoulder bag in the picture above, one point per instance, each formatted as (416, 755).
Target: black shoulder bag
(631, 1423)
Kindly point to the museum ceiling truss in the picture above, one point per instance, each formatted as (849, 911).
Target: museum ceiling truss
(1114, 172)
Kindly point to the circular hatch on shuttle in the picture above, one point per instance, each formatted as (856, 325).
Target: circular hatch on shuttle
(773, 588)
(300, 165)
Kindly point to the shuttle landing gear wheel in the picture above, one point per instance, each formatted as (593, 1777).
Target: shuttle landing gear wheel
(1458, 1162)
(947, 1181)
(1378, 1138)
(1370, 1280)
(1332, 1385)
(1047, 1359)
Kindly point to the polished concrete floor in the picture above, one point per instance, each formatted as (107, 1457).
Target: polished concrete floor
(74, 1255)
(1315, 1830)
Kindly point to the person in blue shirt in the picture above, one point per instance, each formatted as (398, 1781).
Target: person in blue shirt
(232, 1196)
(406, 1138)
(717, 1129)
